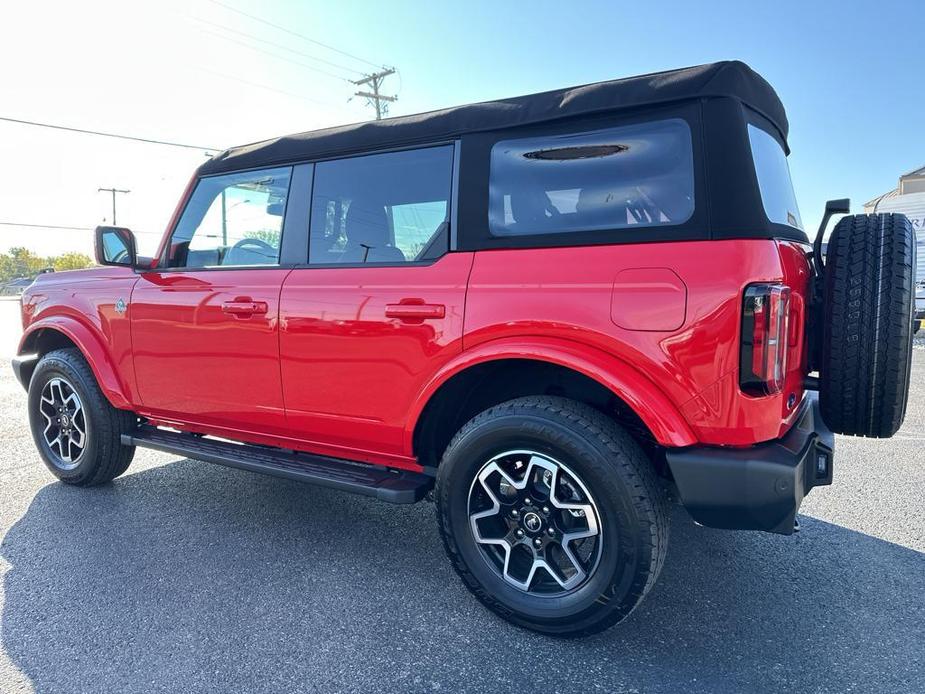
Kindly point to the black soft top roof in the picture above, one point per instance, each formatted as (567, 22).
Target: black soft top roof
(730, 78)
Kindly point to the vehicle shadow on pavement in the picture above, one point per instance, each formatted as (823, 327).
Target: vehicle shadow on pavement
(189, 577)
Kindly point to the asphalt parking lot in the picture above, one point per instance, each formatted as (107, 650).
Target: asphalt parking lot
(182, 576)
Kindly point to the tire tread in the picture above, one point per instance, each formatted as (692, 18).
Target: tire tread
(867, 334)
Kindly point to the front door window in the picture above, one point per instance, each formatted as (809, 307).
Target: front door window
(232, 220)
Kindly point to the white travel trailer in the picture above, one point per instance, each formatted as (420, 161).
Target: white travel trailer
(909, 198)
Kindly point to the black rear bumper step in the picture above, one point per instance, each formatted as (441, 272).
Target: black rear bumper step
(760, 487)
(386, 484)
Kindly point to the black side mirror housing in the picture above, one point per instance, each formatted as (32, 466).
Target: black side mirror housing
(115, 246)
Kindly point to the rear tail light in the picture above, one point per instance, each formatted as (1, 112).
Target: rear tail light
(765, 337)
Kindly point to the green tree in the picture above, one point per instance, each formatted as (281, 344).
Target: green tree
(70, 261)
(20, 262)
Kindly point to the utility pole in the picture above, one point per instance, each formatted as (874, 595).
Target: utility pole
(380, 101)
(113, 191)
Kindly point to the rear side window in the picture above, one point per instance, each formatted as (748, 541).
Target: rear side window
(777, 196)
(627, 177)
(387, 208)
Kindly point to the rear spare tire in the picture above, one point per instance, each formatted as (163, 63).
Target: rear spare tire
(869, 301)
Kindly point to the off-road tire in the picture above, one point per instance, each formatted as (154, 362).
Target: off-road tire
(869, 302)
(104, 457)
(632, 504)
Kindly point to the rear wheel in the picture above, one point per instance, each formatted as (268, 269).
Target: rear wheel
(869, 300)
(77, 432)
(551, 515)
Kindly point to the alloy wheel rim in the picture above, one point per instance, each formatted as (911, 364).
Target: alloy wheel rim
(65, 430)
(535, 523)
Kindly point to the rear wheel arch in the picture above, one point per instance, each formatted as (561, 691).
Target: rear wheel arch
(63, 333)
(598, 380)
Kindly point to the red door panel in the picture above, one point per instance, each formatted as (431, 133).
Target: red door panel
(206, 347)
(357, 344)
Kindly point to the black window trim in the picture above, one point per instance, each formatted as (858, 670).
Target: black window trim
(754, 118)
(474, 181)
(294, 241)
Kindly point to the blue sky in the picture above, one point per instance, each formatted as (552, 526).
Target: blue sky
(851, 75)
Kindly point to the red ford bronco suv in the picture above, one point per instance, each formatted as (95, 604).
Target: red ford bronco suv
(555, 312)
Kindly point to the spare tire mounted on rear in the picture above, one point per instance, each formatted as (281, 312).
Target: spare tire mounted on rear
(867, 320)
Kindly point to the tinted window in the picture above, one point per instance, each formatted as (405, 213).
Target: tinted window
(235, 219)
(780, 203)
(631, 176)
(382, 208)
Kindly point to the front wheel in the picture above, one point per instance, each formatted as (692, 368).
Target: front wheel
(552, 515)
(76, 430)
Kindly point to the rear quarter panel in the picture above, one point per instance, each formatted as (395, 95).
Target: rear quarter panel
(568, 294)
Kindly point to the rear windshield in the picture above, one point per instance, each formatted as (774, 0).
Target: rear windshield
(627, 177)
(780, 203)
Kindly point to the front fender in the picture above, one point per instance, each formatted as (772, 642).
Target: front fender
(91, 345)
(652, 406)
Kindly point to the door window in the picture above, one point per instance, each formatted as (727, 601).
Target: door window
(232, 220)
(390, 208)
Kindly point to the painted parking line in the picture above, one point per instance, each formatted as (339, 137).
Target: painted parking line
(896, 437)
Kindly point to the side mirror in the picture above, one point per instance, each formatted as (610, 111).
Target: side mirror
(115, 246)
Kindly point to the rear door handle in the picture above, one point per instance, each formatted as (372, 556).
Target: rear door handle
(415, 311)
(244, 307)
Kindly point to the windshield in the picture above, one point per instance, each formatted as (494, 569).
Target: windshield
(777, 195)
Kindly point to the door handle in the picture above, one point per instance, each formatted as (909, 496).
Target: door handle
(417, 312)
(244, 307)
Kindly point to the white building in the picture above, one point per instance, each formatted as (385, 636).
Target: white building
(909, 198)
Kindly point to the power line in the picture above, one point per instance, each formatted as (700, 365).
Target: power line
(265, 86)
(67, 228)
(340, 78)
(45, 226)
(277, 45)
(293, 33)
(102, 134)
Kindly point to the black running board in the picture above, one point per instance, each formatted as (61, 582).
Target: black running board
(386, 484)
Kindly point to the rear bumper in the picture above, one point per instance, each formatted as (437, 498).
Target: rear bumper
(759, 487)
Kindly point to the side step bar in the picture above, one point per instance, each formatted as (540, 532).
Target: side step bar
(394, 486)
